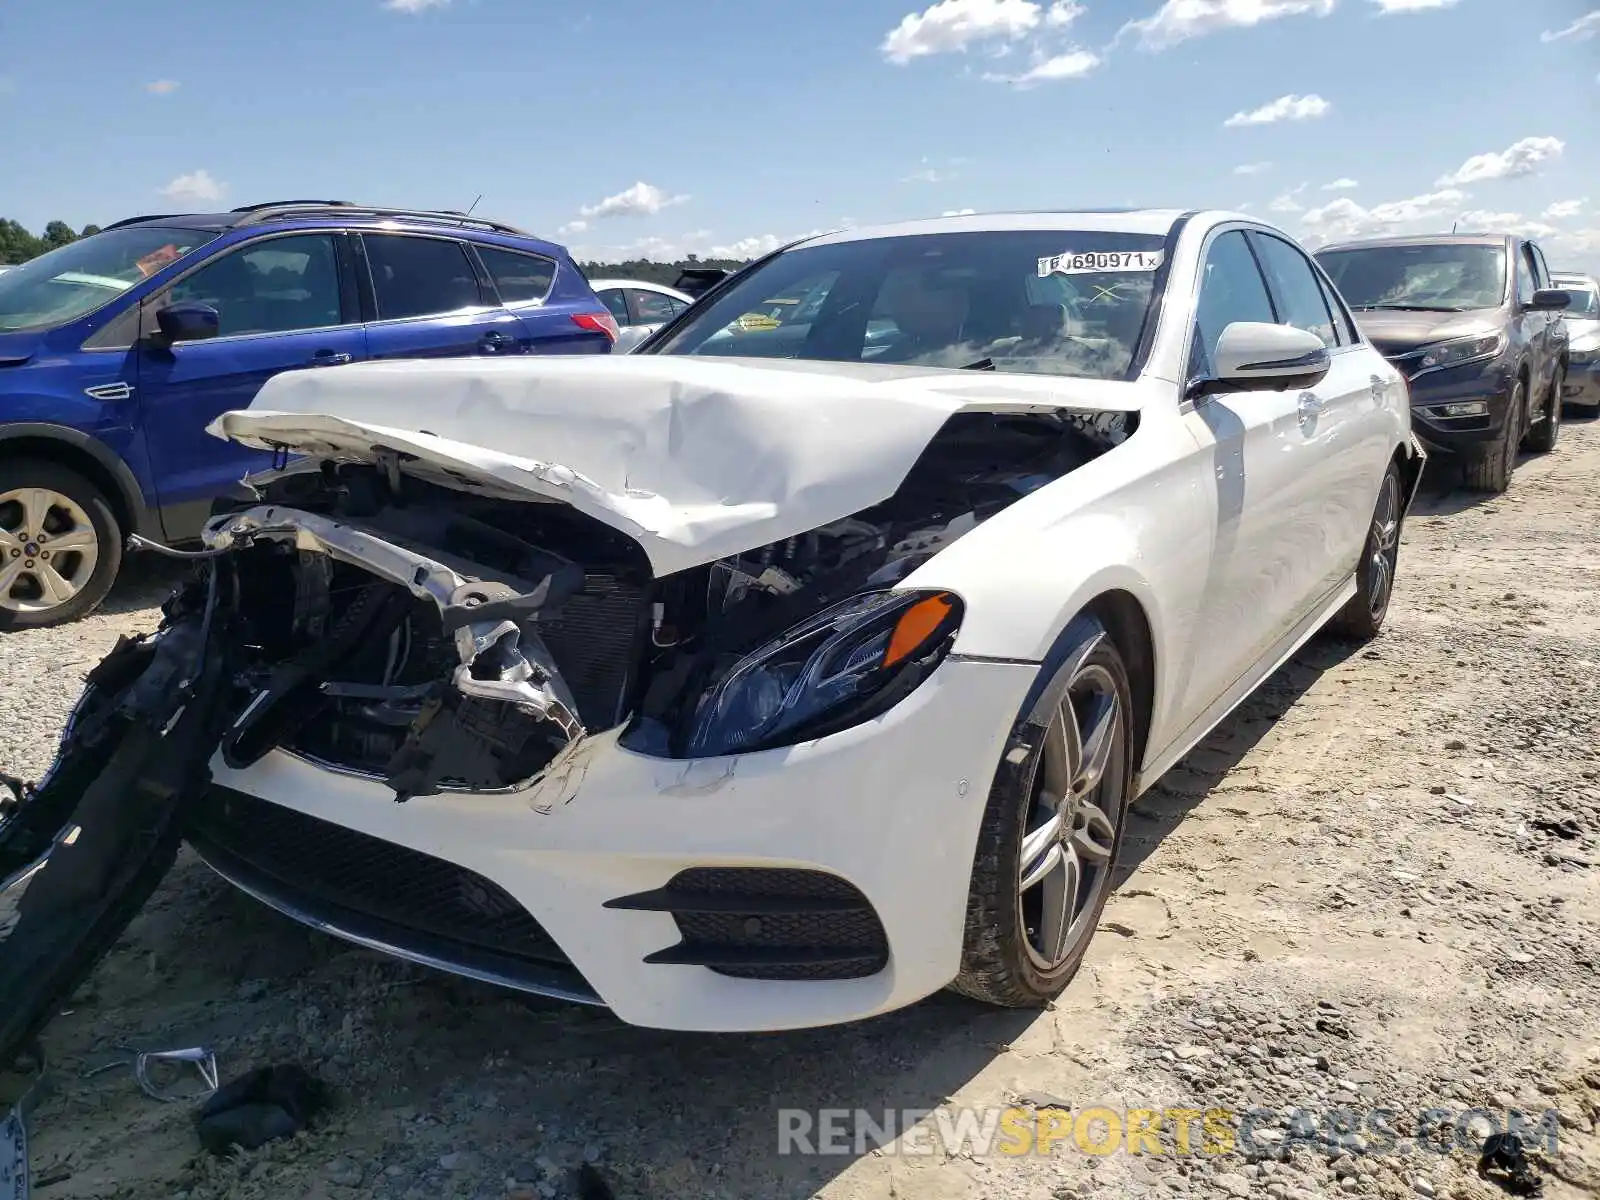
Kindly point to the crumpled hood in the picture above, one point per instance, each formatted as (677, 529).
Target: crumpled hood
(1397, 332)
(17, 348)
(696, 459)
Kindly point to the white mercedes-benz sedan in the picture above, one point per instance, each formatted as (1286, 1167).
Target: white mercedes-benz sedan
(787, 672)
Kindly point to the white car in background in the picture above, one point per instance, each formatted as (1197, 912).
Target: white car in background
(779, 680)
(1582, 318)
(639, 307)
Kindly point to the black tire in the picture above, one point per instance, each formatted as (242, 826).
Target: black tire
(999, 963)
(1362, 617)
(16, 476)
(1542, 437)
(1490, 468)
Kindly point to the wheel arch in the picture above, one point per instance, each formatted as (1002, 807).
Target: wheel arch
(90, 457)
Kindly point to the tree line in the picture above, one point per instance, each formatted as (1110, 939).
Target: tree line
(17, 245)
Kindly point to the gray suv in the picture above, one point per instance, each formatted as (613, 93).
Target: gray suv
(1474, 323)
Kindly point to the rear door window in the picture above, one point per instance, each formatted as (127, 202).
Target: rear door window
(420, 276)
(519, 278)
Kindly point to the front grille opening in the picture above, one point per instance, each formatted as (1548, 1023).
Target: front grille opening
(291, 603)
(768, 923)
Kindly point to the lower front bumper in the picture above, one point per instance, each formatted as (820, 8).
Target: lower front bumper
(1583, 385)
(892, 807)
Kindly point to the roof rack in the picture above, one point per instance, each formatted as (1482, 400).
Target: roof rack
(145, 217)
(255, 214)
(247, 208)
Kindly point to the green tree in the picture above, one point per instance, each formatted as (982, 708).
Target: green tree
(58, 234)
(89, 231)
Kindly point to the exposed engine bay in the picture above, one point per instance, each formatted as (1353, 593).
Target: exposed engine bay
(438, 639)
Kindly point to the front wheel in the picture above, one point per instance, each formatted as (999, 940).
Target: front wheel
(60, 546)
(1542, 437)
(1051, 831)
(1362, 616)
(1490, 468)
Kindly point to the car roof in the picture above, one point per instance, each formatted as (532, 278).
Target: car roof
(294, 213)
(643, 285)
(1155, 221)
(1423, 239)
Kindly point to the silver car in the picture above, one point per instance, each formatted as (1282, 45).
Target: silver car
(1582, 317)
(639, 307)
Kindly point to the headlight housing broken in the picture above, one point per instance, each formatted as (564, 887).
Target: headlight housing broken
(846, 665)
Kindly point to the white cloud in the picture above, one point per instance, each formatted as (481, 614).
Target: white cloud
(1520, 158)
(1179, 20)
(1284, 108)
(1344, 218)
(958, 212)
(1343, 184)
(1255, 168)
(1409, 6)
(1563, 210)
(1582, 29)
(1289, 201)
(640, 200)
(951, 26)
(197, 187)
(414, 6)
(1480, 221)
(1070, 65)
(161, 87)
(573, 227)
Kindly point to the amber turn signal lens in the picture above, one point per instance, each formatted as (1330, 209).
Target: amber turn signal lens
(916, 626)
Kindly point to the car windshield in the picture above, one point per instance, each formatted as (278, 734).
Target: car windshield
(1444, 277)
(1053, 302)
(1584, 304)
(78, 278)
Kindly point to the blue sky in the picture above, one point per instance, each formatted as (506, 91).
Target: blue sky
(646, 127)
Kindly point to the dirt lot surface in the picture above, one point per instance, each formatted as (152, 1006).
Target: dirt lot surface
(1375, 886)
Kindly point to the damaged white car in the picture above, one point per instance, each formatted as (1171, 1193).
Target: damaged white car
(779, 674)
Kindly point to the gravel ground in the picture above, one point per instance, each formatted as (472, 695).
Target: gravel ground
(1374, 886)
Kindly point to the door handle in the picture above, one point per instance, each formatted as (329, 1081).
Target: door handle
(495, 340)
(1310, 406)
(329, 358)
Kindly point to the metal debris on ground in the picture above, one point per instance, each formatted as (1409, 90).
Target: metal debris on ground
(15, 1173)
(204, 1060)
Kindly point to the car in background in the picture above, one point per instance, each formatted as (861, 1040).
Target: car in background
(1582, 318)
(1473, 322)
(640, 307)
(117, 351)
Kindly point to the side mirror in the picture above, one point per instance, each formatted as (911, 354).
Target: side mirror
(1256, 357)
(188, 322)
(1549, 300)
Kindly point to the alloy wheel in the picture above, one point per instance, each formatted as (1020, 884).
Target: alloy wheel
(1069, 842)
(1383, 546)
(48, 549)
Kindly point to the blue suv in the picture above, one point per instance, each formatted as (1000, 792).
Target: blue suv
(116, 351)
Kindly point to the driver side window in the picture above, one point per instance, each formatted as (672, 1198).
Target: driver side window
(276, 286)
(1527, 284)
(1231, 289)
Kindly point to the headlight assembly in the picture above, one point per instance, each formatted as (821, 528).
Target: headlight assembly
(843, 666)
(1459, 351)
(1584, 357)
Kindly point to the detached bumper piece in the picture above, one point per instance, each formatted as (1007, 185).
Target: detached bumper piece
(102, 829)
(770, 924)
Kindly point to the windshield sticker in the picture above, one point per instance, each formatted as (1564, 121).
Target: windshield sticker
(1096, 262)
